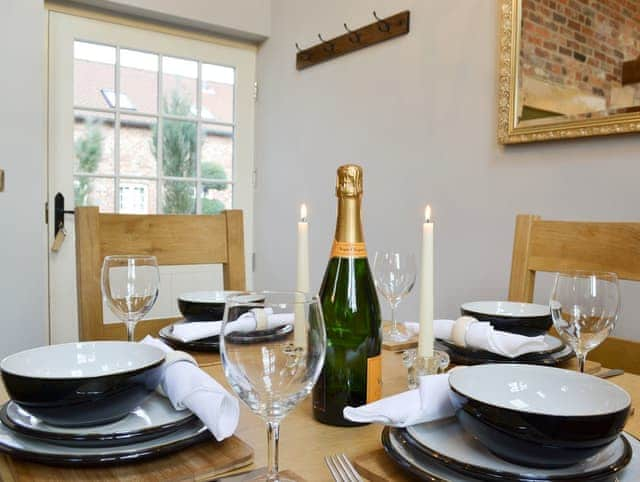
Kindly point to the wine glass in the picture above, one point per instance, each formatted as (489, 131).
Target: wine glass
(584, 306)
(130, 286)
(272, 352)
(394, 275)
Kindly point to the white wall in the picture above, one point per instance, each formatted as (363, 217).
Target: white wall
(244, 19)
(23, 293)
(418, 113)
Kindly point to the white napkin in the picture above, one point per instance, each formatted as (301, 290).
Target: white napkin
(430, 401)
(188, 387)
(485, 337)
(197, 330)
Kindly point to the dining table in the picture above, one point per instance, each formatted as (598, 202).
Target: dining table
(305, 442)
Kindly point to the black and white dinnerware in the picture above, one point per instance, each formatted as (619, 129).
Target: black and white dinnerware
(526, 319)
(210, 344)
(443, 450)
(539, 416)
(82, 384)
(42, 451)
(209, 305)
(154, 418)
(554, 353)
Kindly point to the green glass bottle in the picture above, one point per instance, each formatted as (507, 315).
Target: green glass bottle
(352, 372)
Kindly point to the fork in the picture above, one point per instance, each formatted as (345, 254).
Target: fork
(341, 468)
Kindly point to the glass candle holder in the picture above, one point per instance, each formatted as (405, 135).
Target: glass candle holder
(418, 366)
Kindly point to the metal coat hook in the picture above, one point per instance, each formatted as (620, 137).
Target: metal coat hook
(352, 35)
(383, 25)
(328, 46)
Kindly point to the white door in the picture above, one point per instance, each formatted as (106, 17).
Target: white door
(145, 122)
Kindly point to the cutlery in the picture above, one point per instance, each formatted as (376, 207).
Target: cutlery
(341, 468)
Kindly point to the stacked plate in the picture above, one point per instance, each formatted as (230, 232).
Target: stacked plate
(151, 430)
(523, 423)
(91, 403)
(555, 352)
(444, 451)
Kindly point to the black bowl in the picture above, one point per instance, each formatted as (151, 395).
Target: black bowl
(208, 305)
(82, 384)
(538, 416)
(526, 319)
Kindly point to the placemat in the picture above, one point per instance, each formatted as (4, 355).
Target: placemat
(198, 463)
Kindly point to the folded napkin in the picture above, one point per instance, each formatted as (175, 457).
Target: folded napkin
(467, 331)
(430, 401)
(197, 330)
(188, 387)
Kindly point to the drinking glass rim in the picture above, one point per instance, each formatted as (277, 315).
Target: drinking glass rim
(308, 298)
(580, 273)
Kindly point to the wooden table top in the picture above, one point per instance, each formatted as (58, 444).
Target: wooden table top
(304, 442)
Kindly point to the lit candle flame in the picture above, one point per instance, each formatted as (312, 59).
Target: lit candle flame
(427, 214)
(303, 213)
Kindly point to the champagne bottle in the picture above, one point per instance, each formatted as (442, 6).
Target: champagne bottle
(352, 372)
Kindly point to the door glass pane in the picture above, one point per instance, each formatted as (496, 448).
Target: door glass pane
(179, 84)
(93, 142)
(93, 74)
(179, 141)
(178, 197)
(137, 196)
(94, 191)
(217, 92)
(138, 151)
(216, 196)
(139, 80)
(216, 153)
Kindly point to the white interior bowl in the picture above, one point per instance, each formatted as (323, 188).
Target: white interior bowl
(507, 309)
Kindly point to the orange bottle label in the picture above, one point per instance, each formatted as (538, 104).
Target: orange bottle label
(374, 378)
(348, 250)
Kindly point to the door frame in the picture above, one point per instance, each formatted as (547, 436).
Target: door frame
(52, 7)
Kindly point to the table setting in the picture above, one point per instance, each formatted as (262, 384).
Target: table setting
(491, 394)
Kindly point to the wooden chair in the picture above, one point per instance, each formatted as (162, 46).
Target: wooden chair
(594, 246)
(173, 239)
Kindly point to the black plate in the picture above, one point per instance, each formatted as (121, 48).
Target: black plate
(458, 358)
(428, 458)
(93, 439)
(260, 336)
(211, 344)
(470, 352)
(74, 456)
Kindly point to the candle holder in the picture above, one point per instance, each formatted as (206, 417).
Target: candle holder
(418, 366)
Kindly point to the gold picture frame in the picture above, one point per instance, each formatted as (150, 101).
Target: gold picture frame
(509, 130)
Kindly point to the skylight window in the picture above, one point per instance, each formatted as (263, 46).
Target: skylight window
(110, 98)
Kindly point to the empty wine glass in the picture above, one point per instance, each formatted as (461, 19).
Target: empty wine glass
(272, 353)
(584, 306)
(394, 275)
(130, 285)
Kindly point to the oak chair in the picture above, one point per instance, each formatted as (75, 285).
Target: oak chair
(173, 239)
(550, 246)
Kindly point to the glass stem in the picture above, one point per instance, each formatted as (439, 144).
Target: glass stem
(394, 326)
(273, 436)
(582, 357)
(131, 326)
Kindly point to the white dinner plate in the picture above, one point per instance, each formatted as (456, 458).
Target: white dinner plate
(153, 418)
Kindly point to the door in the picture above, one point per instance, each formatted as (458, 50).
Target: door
(142, 121)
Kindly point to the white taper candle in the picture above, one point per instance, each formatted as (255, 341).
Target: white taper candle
(425, 339)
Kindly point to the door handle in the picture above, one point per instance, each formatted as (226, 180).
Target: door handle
(58, 213)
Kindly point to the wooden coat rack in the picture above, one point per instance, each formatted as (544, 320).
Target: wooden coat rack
(381, 30)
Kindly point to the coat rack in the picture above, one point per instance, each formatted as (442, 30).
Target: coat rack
(381, 30)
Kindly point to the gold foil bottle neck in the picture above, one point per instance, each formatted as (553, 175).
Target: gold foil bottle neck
(349, 181)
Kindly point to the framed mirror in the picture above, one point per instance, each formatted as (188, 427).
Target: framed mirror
(568, 68)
